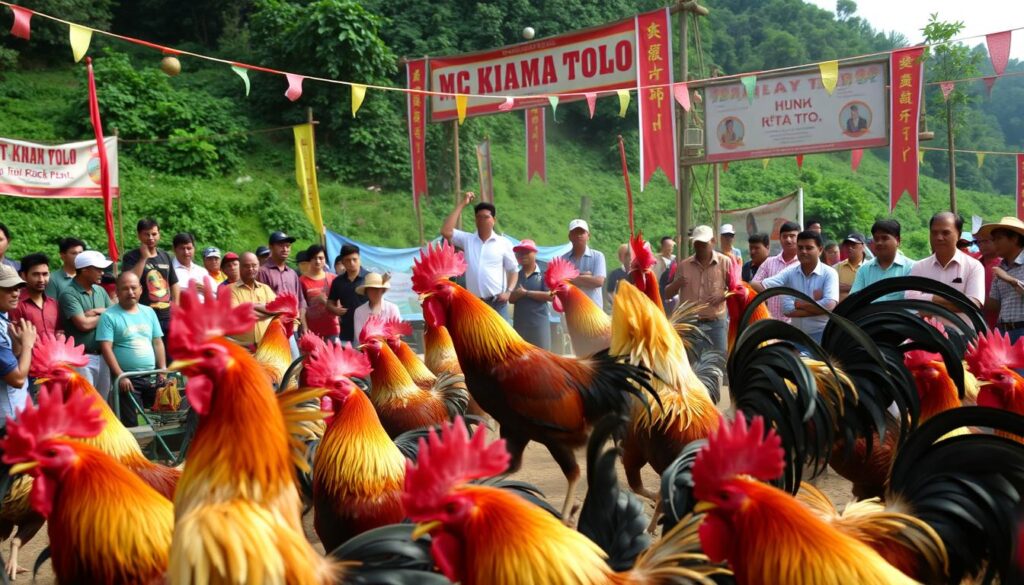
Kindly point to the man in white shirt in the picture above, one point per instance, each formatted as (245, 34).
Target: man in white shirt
(491, 267)
(949, 265)
(190, 274)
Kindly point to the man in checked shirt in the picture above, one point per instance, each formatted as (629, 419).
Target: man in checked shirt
(776, 264)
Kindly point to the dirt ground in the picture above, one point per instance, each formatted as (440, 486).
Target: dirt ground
(538, 469)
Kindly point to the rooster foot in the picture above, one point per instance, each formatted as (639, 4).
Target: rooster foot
(573, 517)
(654, 497)
(652, 528)
(12, 569)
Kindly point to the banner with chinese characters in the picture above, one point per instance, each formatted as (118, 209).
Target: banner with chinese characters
(305, 176)
(656, 107)
(70, 170)
(483, 166)
(905, 72)
(416, 78)
(536, 157)
(1020, 186)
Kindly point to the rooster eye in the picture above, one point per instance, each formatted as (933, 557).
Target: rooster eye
(209, 353)
(451, 508)
(51, 452)
(724, 495)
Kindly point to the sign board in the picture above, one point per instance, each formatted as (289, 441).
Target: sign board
(598, 59)
(766, 218)
(794, 114)
(69, 170)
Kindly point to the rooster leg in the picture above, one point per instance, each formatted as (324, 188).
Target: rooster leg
(652, 528)
(12, 563)
(566, 460)
(632, 462)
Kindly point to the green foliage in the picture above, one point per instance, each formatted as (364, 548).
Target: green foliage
(205, 136)
(49, 39)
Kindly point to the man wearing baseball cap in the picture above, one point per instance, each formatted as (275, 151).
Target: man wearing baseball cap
(282, 279)
(704, 279)
(530, 319)
(231, 267)
(727, 235)
(212, 262)
(853, 245)
(588, 261)
(20, 332)
(81, 305)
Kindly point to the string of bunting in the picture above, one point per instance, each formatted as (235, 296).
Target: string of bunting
(80, 37)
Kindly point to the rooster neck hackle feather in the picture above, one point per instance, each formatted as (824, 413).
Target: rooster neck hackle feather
(440, 353)
(390, 380)
(274, 351)
(480, 336)
(418, 370)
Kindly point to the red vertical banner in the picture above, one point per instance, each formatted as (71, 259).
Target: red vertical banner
(536, 156)
(97, 126)
(905, 73)
(654, 87)
(1020, 186)
(416, 78)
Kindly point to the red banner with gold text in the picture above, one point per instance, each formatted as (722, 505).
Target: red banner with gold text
(905, 72)
(1020, 186)
(416, 74)
(536, 157)
(657, 108)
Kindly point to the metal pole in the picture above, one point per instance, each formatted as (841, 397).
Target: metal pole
(684, 199)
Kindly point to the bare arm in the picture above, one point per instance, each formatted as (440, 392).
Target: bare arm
(757, 286)
(88, 320)
(588, 281)
(107, 351)
(175, 292)
(23, 334)
(161, 356)
(452, 221)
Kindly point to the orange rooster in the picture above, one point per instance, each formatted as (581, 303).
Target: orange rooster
(274, 351)
(472, 526)
(400, 402)
(53, 360)
(439, 353)
(237, 508)
(736, 301)
(590, 328)
(105, 524)
(994, 360)
(533, 394)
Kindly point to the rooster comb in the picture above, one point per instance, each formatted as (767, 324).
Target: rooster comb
(53, 417)
(992, 352)
(435, 263)
(310, 343)
(736, 449)
(53, 351)
(198, 321)
(559, 270)
(643, 256)
(286, 305)
(376, 327)
(447, 460)
(396, 328)
(333, 361)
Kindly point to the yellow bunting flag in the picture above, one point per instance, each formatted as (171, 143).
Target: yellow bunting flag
(981, 159)
(358, 94)
(305, 176)
(460, 106)
(829, 75)
(623, 102)
(80, 39)
(764, 163)
(920, 156)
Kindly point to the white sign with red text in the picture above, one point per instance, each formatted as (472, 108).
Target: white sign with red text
(70, 170)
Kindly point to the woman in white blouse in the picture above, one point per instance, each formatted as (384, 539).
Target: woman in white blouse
(373, 288)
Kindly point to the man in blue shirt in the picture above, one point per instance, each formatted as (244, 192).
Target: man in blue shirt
(888, 262)
(588, 261)
(16, 342)
(811, 277)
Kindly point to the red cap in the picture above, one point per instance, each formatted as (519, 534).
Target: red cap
(230, 256)
(525, 246)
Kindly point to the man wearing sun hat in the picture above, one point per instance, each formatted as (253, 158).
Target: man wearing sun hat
(530, 318)
(15, 334)
(588, 261)
(82, 304)
(373, 288)
(1007, 295)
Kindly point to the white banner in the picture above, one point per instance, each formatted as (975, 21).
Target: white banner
(794, 114)
(767, 218)
(69, 170)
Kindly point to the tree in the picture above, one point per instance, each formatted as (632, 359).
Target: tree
(845, 9)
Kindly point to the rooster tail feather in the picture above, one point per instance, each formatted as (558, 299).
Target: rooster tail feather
(451, 389)
(684, 320)
(710, 370)
(612, 383)
(677, 499)
(303, 420)
(678, 558)
(387, 555)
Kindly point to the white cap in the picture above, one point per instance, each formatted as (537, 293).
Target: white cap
(702, 233)
(727, 229)
(579, 223)
(91, 258)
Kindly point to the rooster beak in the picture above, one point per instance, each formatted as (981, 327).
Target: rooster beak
(703, 507)
(179, 365)
(42, 380)
(23, 467)
(424, 528)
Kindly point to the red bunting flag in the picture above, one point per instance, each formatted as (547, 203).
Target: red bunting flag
(905, 71)
(989, 82)
(416, 79)
(855, 156)
(682, 93)
(536, 157)
(97, 126)
(1020, 186)
(999, 50)
(799, 161)
(294, 86)
(657, 113)
(591, 103)
(947, 88)
(507, 105)
(21, 27)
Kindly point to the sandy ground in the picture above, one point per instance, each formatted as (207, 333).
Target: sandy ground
(538, 469)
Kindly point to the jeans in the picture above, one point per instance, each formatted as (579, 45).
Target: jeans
(97, 373)
(539, 335)
(717, 331)
(500, 307)
(144, 389)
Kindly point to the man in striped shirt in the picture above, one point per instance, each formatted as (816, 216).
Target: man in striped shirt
(1007, 296)
(776, 264)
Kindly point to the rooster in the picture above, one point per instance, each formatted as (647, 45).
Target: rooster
(400, 403)
(19, 521)
(994, 360)
(738, 299)
(53, 360)
(439, 353)
(533, 394)
(471, 525)
(274, 350)
(590, 328)
(418, 370)
(105, 524)
(237, 508)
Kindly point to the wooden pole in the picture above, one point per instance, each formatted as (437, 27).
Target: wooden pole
(717, 214)
(952, 157)
(458, 165)
(684, 199)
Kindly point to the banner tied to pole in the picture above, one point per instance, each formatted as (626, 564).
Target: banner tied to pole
(905, 79)
(103, 164)
(656, 106)
(484, 175)
(56, 171)
(305, 176)
(416, 78)
(536, 155)
(1020, 186)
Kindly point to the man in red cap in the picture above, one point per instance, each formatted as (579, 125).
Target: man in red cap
(231, 267)
(531, 296)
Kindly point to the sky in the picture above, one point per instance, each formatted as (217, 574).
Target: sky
(980, 17)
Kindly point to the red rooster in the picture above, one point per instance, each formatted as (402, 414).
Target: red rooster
(418, 370)
(994, 360)
(105, 524)
(736, 301)
(53, 360)
(533, 394)
(274, 351)
(590, 328)
(401, 404)
(237, 508)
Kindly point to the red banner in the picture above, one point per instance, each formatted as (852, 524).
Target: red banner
(416, 78)
(1020, 186)
(104, 165)
(536, 156)
(905, 72)
(656, 107)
